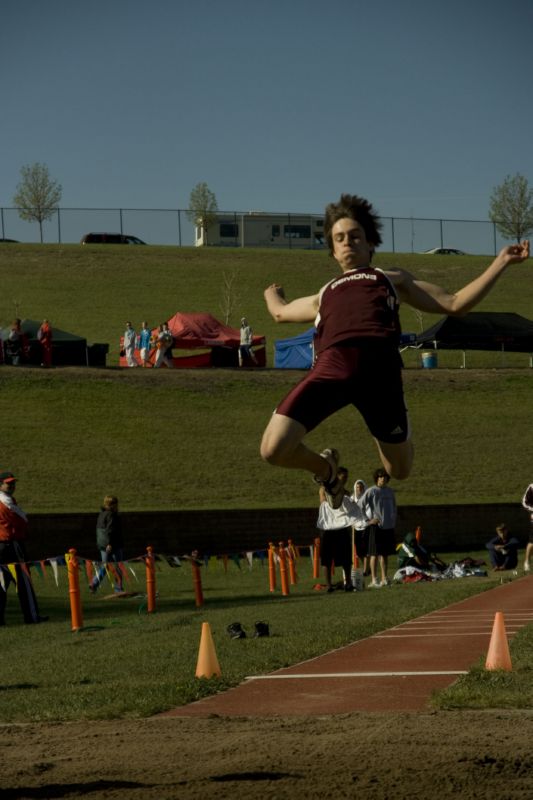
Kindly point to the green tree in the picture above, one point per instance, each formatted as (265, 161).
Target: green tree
(37, 195)
(202, 207)
(511, 207)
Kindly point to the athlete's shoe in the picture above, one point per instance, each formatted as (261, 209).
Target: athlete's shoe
(333, 486)
(261, 629)
(236, 631)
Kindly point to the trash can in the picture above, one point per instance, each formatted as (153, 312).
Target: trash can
(96, 355)
(429, 360)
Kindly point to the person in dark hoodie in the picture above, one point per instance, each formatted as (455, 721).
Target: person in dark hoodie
(109, 542)
(503, 549)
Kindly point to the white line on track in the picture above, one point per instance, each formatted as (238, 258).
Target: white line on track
(357, 675)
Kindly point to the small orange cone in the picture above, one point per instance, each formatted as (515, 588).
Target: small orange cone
(498, 656)
(207, 665)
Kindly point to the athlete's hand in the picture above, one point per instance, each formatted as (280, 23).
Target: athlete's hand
(516, 253)
(275, 288)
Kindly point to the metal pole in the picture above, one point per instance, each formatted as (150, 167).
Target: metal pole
(441, 237)
(392, 230)
(121, 229)
(58, 226)
(179, 228)
(494, 236)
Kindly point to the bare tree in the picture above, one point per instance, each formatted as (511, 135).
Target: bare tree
(229, 297)
(202, 207)
(37, 194)
(511, 207)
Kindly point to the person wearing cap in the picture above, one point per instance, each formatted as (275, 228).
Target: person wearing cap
(13, 534)
(245, 347)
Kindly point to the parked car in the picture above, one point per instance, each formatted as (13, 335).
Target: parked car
(110, 238)
(444, 251)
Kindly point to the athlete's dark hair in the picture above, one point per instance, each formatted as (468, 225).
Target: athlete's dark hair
(358, 209)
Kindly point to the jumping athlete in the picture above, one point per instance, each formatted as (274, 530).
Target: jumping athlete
(357, 360)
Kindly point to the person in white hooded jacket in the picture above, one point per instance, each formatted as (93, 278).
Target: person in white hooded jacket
(527, 502)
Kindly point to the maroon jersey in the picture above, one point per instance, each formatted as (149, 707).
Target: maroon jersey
(360, 304)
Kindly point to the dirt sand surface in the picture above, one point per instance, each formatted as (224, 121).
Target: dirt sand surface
(416, 755)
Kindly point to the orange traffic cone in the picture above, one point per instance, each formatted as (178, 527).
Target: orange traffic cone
(498, 656)
(207, 665)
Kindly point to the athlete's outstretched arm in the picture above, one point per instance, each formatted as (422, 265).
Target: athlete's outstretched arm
(434, 299)
(304, 309)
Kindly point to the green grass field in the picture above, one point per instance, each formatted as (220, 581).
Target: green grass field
(189, 439)
(127, 663)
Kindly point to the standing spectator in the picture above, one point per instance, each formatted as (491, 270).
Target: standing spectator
(145, 342)
(170, 340)
(15, 346)
(44, 335)
(130, 340)
(379, 505)
(245, 347)
(109, 542)
(13, 534)
(527, 502)
(164, 346)
(360, 526)
(336, 540)
(503, 549)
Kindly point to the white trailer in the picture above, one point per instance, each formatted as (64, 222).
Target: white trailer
(259, 229)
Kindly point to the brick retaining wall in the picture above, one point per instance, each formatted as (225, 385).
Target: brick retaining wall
(445, 527)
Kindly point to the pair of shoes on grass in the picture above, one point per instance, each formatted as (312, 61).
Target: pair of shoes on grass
(236, 631)
(333, 486)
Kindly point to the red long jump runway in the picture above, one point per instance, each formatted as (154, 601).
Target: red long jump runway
(395, 670)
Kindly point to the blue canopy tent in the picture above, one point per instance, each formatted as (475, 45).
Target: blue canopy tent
(295, 352)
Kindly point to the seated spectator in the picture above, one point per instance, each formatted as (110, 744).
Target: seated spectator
(412, 554)
(503, 549)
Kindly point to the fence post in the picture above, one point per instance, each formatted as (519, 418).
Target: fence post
(74, 591)
(197, 580)
(150, 579)
(283, 570)
(291, 553)
(316, 559)
(271, 567)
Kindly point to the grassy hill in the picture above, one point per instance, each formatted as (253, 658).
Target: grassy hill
(189, 439)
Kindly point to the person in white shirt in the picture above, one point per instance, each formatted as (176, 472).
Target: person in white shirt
(245, 347)
(336, 539)
(130, 340)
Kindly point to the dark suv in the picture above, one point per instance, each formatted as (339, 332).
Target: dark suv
(110, 238)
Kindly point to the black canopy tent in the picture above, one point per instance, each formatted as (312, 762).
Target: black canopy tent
(68, 349)
(480, 330)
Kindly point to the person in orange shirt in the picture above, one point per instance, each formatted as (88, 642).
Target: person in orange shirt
(13, 534)
(44, 335)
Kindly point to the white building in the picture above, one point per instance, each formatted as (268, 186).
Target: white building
(260, 229)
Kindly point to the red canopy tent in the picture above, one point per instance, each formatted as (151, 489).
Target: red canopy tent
(203, 332)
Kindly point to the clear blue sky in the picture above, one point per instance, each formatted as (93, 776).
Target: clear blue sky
(422, 106)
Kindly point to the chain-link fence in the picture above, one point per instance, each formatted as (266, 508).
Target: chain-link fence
(165, 226)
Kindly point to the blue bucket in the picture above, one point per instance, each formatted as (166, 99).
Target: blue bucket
(429, 360)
